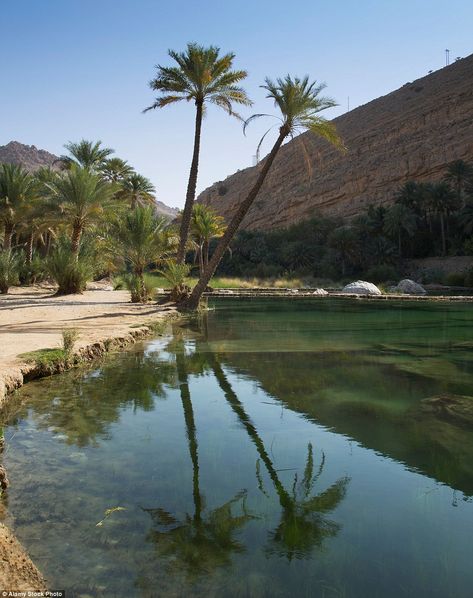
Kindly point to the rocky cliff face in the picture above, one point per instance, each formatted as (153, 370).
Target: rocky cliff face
(411, 133)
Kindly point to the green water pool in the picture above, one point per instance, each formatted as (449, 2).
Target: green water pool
(264, 448)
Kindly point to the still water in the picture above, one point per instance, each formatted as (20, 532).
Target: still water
(267, 448)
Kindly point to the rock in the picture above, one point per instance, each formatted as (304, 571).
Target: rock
(319, 292)
(4, 483)
(409, 287)
(391, 140)
(361, 287)
(456, 408)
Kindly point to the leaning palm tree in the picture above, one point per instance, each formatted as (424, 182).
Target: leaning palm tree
(86, 154)
(81, 198)
(399, 221)
(137, 190)
(143, 239)
(201, 76)
(300, 103)
(16, 191)
(206, 225)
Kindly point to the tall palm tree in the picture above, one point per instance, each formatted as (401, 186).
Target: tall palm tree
(206, 225)
(82, 197)
(442, 200)
(138, 190)
(346, 243)
(399, 220)
(202, 76)
(459, 174)
(116, 170)
(86, 154)
(143, 239)
(16, 191)
(300, 103)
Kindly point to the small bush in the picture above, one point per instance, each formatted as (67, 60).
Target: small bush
(69, 337)
(469, 278)
(431, 276)
(455, 279)
(381, 273)
(141, 290)
(35, 271)
(70, 273)
(9, 269)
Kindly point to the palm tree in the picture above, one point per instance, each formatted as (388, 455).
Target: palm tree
(303, 522)
(467, 217)
(143, 239)
(116, 170)
(205, 226)
(16, 191)
(459, 174)
(82, 197)
(345, 241)
(138, 190)
(399, 219)
(300, 104)
(86, 154)
(201, 76)
(442, 200)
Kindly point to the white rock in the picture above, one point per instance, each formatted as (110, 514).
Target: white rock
(320, 292)
(361, 287)
(409, 287)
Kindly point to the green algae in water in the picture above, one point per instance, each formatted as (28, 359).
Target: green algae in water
(266, 448)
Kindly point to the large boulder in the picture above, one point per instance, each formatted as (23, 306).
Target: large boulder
(361, 287)
(409, 287)
(320, 292)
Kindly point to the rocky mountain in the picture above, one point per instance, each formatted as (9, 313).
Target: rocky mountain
(28, 156)
(411, 133)
(32, 158)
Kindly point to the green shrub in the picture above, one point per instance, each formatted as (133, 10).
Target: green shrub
(381, 273)
(431, 276)
(9, 270)
(135, 285)
(71, 273)
(69, 337)
(455, 279)
(469, 278)
(35, 271)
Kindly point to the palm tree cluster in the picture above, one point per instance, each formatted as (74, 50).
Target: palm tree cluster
(424, 219)
(77, 216)
(61, 220)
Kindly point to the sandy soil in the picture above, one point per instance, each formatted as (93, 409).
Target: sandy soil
(30, 319)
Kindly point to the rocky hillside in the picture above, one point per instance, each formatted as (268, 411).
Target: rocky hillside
(411, 133)
(33, 158)
(28, 156)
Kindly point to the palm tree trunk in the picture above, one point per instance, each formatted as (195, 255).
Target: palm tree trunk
(245, 420)
(75, 240)
(29, 248)
(201, 261)
(191, 186)
(399, 240)
(442, 231)
(191, 433)
(193, 301)
(7, 237)
(206, 253)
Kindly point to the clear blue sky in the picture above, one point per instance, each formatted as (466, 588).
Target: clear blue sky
(80, 68)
